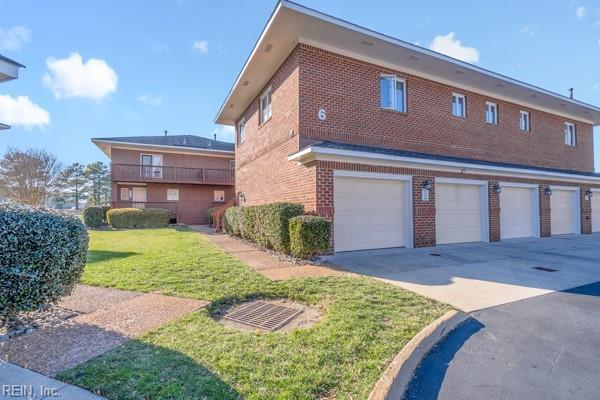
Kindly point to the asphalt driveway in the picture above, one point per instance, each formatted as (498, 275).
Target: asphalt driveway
(476, 276)
(545, 347)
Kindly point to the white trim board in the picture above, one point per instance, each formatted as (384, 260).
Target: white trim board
(362, 157)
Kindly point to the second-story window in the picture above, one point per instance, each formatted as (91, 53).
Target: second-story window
(241, 130)
(570, 134)
(459, 105)
(392, 93)
(491, 113)
(525, 121)
(265, 106)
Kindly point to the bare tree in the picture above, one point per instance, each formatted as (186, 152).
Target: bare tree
(29, 176)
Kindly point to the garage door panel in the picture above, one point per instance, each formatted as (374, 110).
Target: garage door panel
(369, 213)
(517, 212)
(458, 213)
(562, 208)
(596, 212)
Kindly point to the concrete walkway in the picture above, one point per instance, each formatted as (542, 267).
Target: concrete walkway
(266, 264)
(20, 383)
(475, 276)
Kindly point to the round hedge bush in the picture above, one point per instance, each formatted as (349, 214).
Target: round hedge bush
(42, 256)
(93, 216)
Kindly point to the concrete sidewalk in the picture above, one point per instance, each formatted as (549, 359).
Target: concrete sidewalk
(263, 262)
(21, 383)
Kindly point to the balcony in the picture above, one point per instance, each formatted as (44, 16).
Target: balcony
(155, 173)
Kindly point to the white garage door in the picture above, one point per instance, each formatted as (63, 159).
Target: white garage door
(369, 213)
(517, 212)
(562, 206)
(458, 213)
(596, 212)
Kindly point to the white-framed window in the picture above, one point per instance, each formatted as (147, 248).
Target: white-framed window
(392, 93)
(232, 165)
(525, 121)
(491, 113)
(459, 105)
(241, 130)
(570, 134)
(125, 194)
(172, 194)
(219, 196)
(264, 104)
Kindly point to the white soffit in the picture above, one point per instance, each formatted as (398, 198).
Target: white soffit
(291, 23)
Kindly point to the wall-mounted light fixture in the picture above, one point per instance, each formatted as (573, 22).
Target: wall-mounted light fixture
(241, 198)
(589, 194)
(426, 185)
(548, 191)
(497, 188)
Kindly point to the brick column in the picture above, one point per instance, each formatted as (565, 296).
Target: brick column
(545, 216)
(325, 197)
(423, 213)
(494, 212)
(585, 211)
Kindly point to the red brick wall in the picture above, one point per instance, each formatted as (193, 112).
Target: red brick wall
(586, 211)
(494, 212)
(423, 213)
(263, 173)
(348, 89)
(545, 215)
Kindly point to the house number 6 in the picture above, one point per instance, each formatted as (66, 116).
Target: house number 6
(322, 114)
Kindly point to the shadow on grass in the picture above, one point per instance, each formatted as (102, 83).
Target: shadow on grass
(136, 370)
(103, 255)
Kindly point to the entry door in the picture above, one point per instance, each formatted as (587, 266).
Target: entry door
(458, 213)
(151, 166)
(517, 212)
(369, 213)
(139, 197)
(562, 210)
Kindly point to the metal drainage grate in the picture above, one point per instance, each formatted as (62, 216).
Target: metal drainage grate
(545, 269)
(263, 315)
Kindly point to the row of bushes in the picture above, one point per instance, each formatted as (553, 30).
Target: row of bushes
(42, 256)
(281, 227)
(126, 218)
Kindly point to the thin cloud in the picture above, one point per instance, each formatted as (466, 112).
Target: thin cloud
(12, 39)
(452, 47)
(21, 111)
(71, 77)
(581, 12)
(200, 46)
(528, 30)
(149, 100)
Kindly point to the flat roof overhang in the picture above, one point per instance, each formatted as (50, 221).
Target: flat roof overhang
(9, 69)
(107, 145)
(316, 153)
(291, 23)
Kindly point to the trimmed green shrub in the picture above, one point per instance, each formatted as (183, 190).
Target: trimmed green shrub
(268, 224)
(126, 218)
(309, 235)
(210, 213)
(42, 256)
(93, 216)
(232, 221)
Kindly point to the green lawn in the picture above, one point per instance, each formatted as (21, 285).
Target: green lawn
(364, 324)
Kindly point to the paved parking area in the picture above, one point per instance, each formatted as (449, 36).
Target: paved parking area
(543, 348)
(476, 276)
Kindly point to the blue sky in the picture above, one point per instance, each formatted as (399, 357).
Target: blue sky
(124, 68)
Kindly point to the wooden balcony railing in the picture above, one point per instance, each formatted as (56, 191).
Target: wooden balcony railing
(155, 173)
(166, 205)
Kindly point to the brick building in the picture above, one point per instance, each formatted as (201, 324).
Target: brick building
(185, 174)
(402, 146)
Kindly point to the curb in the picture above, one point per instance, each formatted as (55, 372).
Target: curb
(394, 381)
